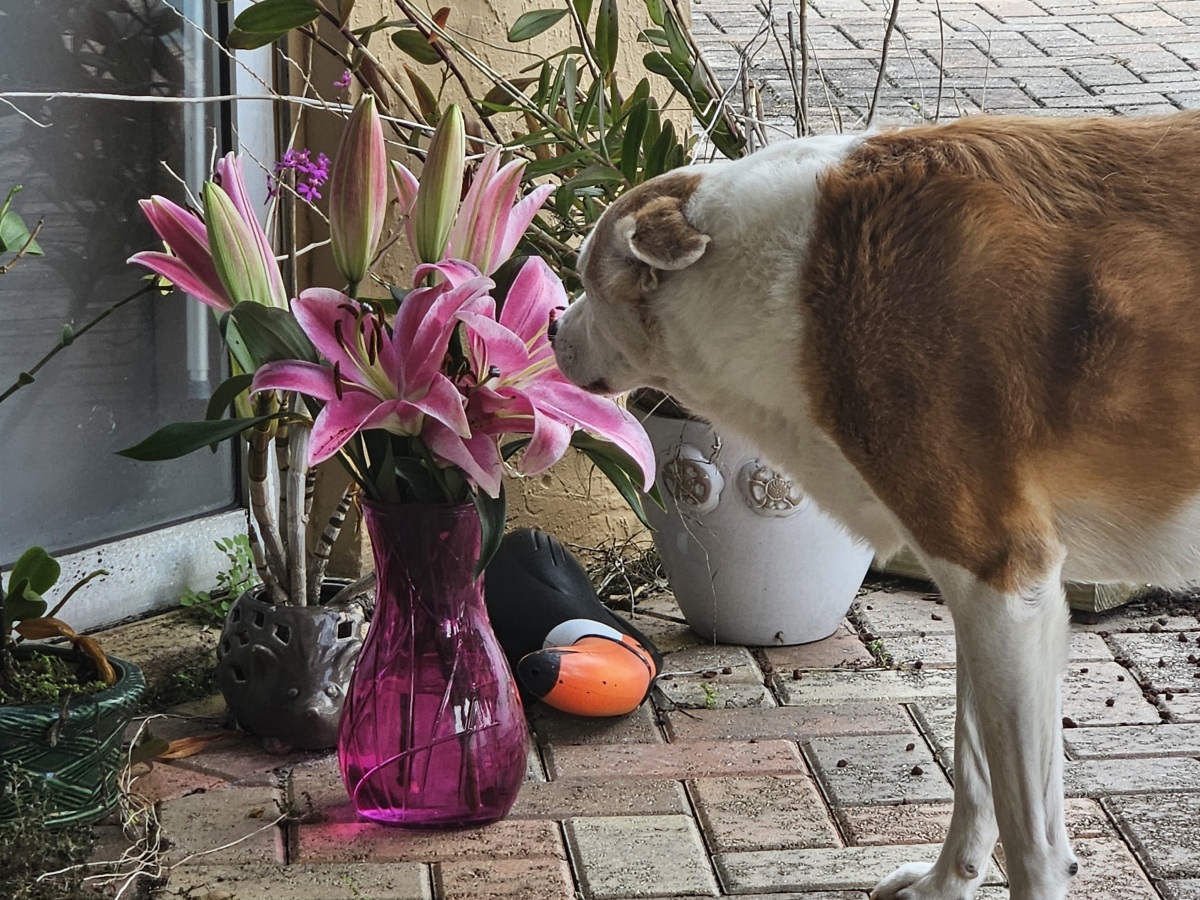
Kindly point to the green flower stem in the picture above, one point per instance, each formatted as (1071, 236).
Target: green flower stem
(26, 378)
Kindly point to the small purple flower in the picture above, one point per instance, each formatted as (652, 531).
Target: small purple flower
(309, 176)
(344, 82)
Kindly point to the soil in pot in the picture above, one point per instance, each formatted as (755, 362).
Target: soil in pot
(66, 755)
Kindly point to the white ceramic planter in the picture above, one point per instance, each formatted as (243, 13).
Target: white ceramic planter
(750, 558)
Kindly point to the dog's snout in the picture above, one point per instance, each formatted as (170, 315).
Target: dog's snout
(552, 326)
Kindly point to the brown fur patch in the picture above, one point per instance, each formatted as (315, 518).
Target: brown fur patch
(1004, 319)
(618, 276)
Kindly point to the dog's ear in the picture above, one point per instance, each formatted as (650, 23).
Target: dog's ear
(659, 235)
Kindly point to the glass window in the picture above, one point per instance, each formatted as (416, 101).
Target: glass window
(84, 164)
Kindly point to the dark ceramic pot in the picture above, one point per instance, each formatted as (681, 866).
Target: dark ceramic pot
(69, 763)
(284, 669)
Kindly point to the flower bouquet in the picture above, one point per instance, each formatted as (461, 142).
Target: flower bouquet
(427, 396)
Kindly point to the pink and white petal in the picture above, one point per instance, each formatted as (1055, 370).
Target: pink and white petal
(597, 415)
(444, 403)
(549, 442)
(468, 210)
(520, 217)
(176, 225)
(494, 345)
(296, 375)
(534, 294)
(318, 310)
(477, 456)
(396, 416)
(339, 421)
(406, 185)
(426, 344)
(490, 220)
(210, 292)
(453, 272)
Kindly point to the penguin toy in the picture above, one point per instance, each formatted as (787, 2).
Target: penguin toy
(565, 647)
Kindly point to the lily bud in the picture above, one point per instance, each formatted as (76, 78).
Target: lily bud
(358, 192)
(235, 253)
(441, 186)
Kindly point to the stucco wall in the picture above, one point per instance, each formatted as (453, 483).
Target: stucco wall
(573, 500)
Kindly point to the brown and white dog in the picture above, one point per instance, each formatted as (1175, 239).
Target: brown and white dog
(980, 339)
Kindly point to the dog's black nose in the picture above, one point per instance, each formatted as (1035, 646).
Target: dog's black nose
(552, 327)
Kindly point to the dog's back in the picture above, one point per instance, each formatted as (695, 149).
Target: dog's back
(1003, 335)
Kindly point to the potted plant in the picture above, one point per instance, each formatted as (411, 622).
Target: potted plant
(289, 643)
(63, 709)
(424, 396)
(749, 556)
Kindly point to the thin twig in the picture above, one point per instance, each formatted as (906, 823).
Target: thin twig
(883, 56)
(8, 266)
(937, 113)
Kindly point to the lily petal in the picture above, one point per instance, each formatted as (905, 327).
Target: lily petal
(452, 271)
(307, 378)
(318, 310)
(186, 278)
(490, 220)
(422, 344)
(468, 211)
(534, 294)
(518, 220)
(339, 421)
(597, 415)
(476, 455)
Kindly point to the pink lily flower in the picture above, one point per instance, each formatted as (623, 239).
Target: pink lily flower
(188, 264)
(392, 382)
(521, 389)
(221, 258)
(489, 224)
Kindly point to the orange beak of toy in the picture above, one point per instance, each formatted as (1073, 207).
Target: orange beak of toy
(589, 669)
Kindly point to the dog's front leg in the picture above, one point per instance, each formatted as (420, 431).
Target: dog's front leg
(963, 862)
(1012, 646)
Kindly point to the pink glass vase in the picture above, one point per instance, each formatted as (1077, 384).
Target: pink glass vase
(432, 732)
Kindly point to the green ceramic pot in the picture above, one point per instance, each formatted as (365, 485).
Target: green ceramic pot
(70, 766)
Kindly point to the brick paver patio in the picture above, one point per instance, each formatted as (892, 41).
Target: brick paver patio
(798, 772)
(835, 770)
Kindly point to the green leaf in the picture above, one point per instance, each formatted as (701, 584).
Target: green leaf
(593, 176)
(583, 8)
(269, 20)
(426, 99)
(608, 35)
(620, 468)
(181, 438)
(570, 87)
(491, 520)
(258, 334)
(223, 397)
(657, 10)
(500, 97)
(680, 51)
(14, 234)
(533, 23)
(23, 603)
(276, 16)
(655, 36)
(631, 144)
(415, 45)
(36, 567)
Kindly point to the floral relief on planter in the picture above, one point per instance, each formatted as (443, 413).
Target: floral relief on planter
(769, 492)
(693, 480)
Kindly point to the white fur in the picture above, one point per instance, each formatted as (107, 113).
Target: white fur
(1012, 648)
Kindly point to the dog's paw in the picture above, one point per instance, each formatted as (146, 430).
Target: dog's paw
(913, 881)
